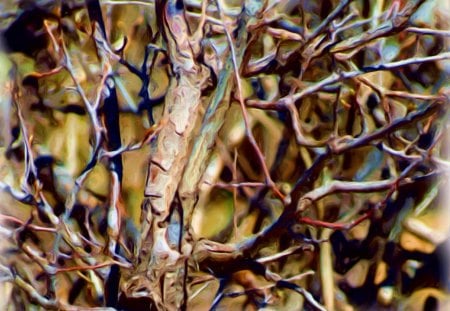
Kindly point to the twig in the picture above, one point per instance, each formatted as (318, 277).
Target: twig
(132, 2)
(429, 31)
(326, 22)
(335, 225)
(337, 186)
(284, 253)
(337, 77)
(23, 224)
(248, 131)
(237, 185)
(34, 294)
(341, 145)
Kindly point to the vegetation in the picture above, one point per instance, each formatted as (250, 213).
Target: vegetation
(166, 155)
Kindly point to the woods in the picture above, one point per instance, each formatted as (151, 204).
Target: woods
(211, 155)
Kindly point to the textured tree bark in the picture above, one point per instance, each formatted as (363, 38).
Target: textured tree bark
(162, 257)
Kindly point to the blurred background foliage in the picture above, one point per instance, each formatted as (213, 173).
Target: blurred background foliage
(396, 257)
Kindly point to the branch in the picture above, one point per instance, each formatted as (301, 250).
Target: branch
(337, 77)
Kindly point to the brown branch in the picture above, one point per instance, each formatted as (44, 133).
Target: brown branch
(335, 225)
(341, 145)
(337, 77)
(26, 225)
(248, 131)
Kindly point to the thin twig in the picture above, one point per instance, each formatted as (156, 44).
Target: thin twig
(245, 116)
(337, 77)
(429, 31)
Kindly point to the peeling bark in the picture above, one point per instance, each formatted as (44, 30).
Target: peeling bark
(162, 258)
